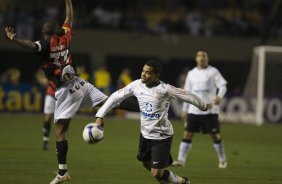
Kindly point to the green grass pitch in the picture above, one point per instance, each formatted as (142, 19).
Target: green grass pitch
(254, 154)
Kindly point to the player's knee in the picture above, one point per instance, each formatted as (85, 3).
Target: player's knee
(157, 173)
(48, 118)
(61, 131)
(216, 137)
(187, 136)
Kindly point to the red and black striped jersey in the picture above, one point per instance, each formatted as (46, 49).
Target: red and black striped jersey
(54, 53)
(51, 88)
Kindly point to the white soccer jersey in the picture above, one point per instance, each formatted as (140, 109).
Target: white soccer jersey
(154, 104)
(205, 83)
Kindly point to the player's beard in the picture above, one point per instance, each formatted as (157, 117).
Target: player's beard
(150, 82)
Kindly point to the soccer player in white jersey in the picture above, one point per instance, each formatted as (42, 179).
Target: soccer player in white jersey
(206, 82)
(156, 135)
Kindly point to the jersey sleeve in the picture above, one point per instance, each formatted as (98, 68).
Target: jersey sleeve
(187, 87)
(68, 32)
(220, 83)
(115, 99)
(41, 46)
(187, 97)
(219, 80)
(67, 27)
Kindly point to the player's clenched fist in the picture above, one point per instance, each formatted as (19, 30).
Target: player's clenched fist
(10, 33)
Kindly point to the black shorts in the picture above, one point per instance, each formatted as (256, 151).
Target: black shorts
(155, 151)
(207, 123)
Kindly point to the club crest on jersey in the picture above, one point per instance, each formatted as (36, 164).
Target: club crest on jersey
(148, 107)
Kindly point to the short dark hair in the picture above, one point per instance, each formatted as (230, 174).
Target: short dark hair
(50, 27)
(156, 65)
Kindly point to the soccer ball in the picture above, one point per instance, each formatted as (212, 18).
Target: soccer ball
(92, 133)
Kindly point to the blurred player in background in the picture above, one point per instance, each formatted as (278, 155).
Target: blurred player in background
(49, 105)
(11, 76)
(82, 73)
(123, 80)
(206, 82)
(102, 79)
(156, 130)
(71, 91)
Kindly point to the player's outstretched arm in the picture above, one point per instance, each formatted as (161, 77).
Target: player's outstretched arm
(69, 12)
(11, 34)
(114, 100)
(111, 102)
(188, 97)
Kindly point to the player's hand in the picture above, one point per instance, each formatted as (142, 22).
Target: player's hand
(66, 78)
(100, 122)
(11, 34)
(217, 100)
(68, 74)
(209, 106)
(183, 116)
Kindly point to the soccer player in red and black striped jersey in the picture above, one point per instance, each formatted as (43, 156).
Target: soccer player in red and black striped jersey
(71, 91)
(53, 50)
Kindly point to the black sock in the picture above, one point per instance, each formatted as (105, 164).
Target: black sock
(46, 128)
(62, 172)
(165, 175)
(186, 140)
(217, 142)
(62, 150)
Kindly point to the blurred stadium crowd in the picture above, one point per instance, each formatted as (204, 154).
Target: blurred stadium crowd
(252, 18)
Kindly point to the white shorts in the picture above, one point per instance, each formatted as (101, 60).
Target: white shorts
(77, 93)
(49, 104)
